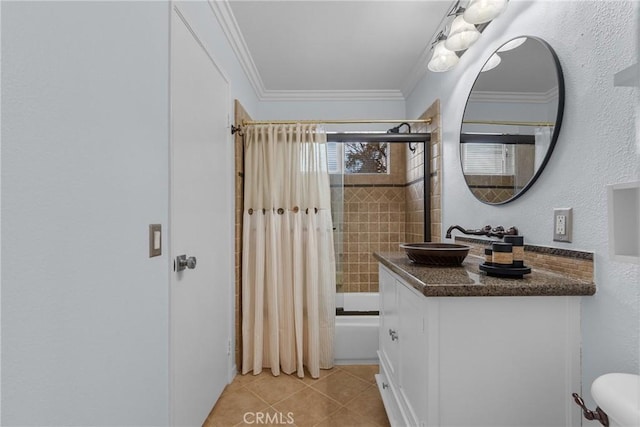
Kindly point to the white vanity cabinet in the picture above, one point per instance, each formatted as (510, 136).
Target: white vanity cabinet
(477, 361)
(389, 345)
(402, 351)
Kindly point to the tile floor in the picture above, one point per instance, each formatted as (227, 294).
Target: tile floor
(345, 396)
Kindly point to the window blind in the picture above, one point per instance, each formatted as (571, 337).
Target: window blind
(488, 159)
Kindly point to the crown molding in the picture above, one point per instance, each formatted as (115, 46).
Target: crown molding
(514, 97)
(223, 13)
(332, 95)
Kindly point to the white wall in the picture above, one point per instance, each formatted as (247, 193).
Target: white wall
(597, 146)
(202, 19)
(335, 109)
(85, 142)
(84, 171)
(0, 217)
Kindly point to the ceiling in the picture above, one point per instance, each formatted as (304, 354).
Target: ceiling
(332, 49)
(530, 68)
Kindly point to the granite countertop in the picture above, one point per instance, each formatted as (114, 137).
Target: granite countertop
(468, 281)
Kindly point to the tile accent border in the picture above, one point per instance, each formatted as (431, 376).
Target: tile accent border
(408, 184)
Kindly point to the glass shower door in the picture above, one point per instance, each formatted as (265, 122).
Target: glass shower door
(337, 213)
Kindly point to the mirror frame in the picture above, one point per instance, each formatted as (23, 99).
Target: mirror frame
(556, 128)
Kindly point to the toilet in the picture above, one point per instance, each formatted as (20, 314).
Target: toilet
(618, 395)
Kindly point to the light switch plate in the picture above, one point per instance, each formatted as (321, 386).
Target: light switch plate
(562, 224)
(155, 240)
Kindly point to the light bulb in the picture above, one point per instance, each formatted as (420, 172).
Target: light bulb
(492, 63)
(481, 11)
(512, 44)
(462, 35)
(443, 59)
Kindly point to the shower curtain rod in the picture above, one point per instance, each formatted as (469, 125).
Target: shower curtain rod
(507, 123)
(333, 122)
(235, 129)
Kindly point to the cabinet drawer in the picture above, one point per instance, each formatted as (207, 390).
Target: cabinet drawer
(389, 395)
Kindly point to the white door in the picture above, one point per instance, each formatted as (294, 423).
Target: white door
(201, 227)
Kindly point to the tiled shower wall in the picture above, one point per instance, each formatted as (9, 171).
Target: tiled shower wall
(414, 197)
(435, 178)
(374, 221)
(380, 212)
(414, 193)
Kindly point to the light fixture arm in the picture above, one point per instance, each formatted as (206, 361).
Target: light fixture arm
(439, 37)
(456, 11)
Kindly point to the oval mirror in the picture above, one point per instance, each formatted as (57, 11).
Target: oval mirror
(512, 120)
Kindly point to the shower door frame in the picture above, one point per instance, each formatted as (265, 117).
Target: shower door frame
(406, 138)
(397, 138)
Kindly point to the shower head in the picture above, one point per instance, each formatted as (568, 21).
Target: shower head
(396, 129)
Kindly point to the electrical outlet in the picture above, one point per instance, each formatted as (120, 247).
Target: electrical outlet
(562, 224)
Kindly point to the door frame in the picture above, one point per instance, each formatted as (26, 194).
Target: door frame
(175, 7)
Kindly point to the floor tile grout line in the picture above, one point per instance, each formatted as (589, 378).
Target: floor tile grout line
(331, 398)
(327, 417)
(248, 384)
(355, 376)
(258, 396)
(291, 395)
(301, 380)
(353, 398)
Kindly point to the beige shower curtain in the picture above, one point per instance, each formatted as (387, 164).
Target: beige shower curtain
(288, 264)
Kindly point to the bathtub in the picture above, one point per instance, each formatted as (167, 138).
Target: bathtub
(356, 340)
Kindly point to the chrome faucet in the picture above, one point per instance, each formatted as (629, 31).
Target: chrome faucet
(499, 231)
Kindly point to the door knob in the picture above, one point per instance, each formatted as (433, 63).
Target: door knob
(182, 262)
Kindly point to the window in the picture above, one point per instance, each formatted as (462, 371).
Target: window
(358, 157)
(334, 152)
(488, 159)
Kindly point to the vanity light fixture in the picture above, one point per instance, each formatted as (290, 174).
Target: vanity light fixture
(481, 11)
(448, 46)
(443, 59)
(462, 35)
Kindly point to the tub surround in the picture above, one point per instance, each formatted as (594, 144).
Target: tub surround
(356, 340)
(468, 281)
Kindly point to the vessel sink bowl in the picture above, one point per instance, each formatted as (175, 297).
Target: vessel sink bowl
(436, 254)
(618, 395)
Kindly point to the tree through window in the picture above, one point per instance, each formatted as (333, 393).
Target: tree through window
(366, 157)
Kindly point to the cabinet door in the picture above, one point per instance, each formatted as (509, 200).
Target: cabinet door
(389, 322)
(413, 355)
